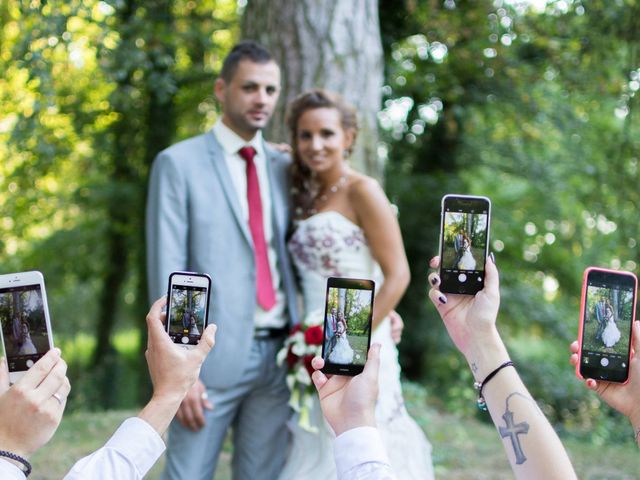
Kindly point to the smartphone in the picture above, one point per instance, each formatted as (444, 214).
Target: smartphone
(464, 240)
(607, 312)
(24, 317)
(348, 316)
(188, 307)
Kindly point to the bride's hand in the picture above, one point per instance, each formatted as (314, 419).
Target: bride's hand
(349, 402)
(470, 320)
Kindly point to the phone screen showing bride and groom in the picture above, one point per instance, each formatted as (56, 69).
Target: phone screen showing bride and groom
(347, 325)
(465, 226)
(24, 327)
(606, 331)
(187, 313)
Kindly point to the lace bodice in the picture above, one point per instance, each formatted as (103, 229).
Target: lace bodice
(328, 244)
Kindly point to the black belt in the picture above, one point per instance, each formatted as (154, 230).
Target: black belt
(264, 333)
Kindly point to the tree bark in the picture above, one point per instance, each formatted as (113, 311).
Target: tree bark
(330, 44)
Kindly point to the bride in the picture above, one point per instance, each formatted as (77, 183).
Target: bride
(342, 352)
(467, 262)
(611, 334)
(344, 226)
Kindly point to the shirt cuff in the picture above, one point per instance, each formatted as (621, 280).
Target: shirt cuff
(9, 471)
(139, 441)
(358, 446)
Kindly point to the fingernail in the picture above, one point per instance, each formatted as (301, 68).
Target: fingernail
(434, 280)
(492, 257)
(442, 299)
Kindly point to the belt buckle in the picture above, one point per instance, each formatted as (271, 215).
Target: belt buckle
(262, 333)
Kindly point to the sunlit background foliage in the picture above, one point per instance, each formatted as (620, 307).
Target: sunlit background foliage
(531, 103)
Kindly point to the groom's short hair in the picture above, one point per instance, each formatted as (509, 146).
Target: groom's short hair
(245, 50)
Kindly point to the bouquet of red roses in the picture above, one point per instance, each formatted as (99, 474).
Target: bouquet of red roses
(303, 343)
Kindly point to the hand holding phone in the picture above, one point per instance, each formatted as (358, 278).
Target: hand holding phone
(24, 319)
(464, 242)
(188, 307)
(347, 325)
(606, 316)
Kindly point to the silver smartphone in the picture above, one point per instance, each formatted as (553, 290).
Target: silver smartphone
(24, 316)
(188, 307)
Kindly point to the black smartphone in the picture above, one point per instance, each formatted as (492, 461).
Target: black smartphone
(607, 312)
(188, 307)
(464, 241)
(348, 316)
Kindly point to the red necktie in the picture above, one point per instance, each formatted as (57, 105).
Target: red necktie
(265, 293)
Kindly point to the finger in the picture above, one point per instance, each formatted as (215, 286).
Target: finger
(52, 382)
(36, 374)
(372, 365)
(60, 397)
(4, 376)
(573, 359)
(636, 337)
(434, 262)
(437, 297)
(317, 363)
(187, 417)
(197, 413)
(207, 341)
(155, 325)
(491, 277)
(591, 384)
(319, 380)
(434, 280)
(574, 347)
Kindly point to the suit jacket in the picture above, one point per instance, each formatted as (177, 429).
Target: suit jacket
(194, 223)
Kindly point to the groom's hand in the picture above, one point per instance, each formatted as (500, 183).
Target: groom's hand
(191, 411)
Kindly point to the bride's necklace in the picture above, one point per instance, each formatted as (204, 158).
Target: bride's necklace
(321, 199)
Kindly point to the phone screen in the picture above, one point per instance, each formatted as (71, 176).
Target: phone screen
(464, 240)
(187, 313)
(347, 325)
(24, 326)
(608, 313)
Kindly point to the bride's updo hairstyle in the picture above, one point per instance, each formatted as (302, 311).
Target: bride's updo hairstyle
(304, 188)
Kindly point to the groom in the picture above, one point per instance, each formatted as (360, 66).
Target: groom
(330, 337)
(601, 316)
(218, 204)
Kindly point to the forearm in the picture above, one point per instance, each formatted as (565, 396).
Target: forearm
(532, 446)
(394, 286)
(160, 411)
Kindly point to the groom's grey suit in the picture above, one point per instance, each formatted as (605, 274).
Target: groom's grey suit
(194, 223)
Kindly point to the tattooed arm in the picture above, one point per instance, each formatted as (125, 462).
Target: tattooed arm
(532, 446)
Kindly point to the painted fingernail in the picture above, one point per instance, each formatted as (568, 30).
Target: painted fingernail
(442, 299)
(492, 257)
(434, 280)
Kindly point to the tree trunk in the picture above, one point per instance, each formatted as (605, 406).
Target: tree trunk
(330, 44)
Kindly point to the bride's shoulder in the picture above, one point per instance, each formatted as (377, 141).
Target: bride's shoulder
(365, 191)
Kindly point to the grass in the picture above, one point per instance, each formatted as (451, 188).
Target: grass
(463, 447)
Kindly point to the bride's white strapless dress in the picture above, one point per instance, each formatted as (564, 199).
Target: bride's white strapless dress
(328, 244)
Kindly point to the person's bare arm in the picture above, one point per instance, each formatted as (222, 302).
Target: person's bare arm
(380, 226)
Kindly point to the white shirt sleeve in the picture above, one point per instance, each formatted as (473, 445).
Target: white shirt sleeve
(9, 471)
(360, 455)
(128, 455)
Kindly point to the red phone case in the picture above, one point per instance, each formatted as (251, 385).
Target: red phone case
(583, 303)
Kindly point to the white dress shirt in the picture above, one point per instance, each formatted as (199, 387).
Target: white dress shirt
(128, 455)
(237, 166)
(360, 455)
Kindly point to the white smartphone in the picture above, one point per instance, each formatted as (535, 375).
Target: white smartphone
(188, 307)
(24, 316)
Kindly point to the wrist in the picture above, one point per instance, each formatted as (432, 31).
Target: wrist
(635, 424)
(485, 354)
(11, 446)
(355, 421)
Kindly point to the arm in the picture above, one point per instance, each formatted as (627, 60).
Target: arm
(382, 231)
(137, 445)
(348, 404)
(532, 446)
(623, 397)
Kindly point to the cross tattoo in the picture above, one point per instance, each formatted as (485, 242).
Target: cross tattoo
(512, 430)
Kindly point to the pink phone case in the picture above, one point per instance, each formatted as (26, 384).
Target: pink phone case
(583, 304)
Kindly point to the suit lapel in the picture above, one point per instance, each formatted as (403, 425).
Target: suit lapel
(278, 195)
(215, 151)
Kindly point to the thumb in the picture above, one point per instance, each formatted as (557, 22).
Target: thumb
(491, 278)
(208, 340)
(4, 376)
(636, 337)
(373, 363)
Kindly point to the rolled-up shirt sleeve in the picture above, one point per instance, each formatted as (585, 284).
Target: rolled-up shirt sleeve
(9, 471)
(129, 454)
(360, 455)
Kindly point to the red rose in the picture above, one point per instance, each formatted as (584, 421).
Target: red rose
(307, 363)
(313, 335)
(296, 328)
(292, 358)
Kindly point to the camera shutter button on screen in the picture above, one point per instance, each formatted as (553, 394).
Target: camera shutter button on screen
(462, 278)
